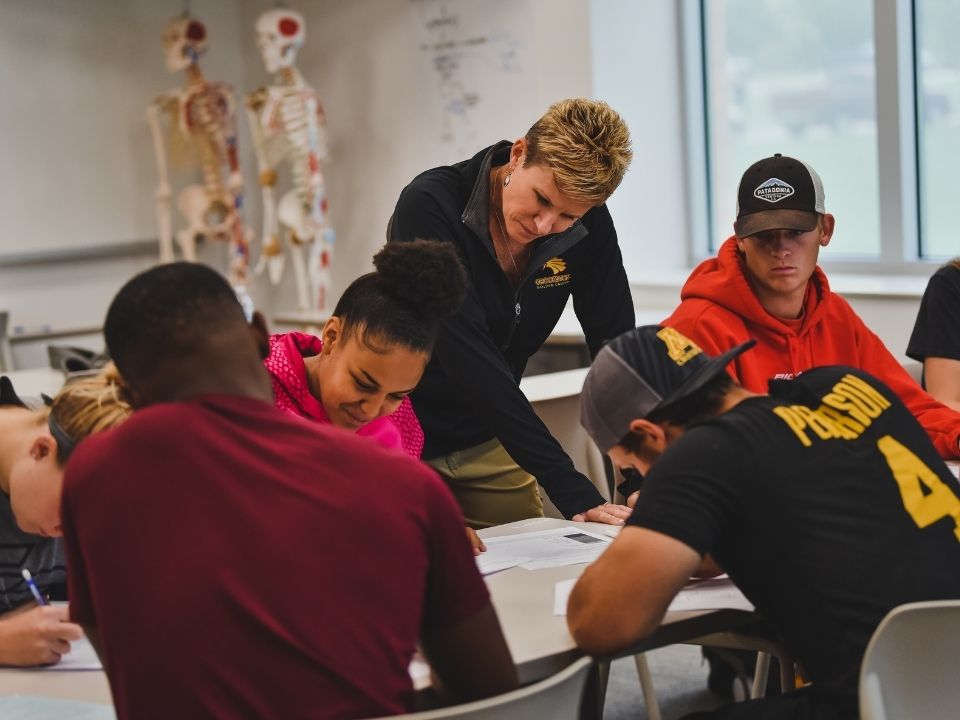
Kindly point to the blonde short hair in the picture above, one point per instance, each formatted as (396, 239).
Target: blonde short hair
(88, 405)
(587, 145)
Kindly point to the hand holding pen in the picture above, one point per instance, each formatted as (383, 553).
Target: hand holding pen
(36, 634)
(34, 590)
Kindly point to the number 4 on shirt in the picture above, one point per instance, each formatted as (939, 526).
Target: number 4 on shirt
(925, 496)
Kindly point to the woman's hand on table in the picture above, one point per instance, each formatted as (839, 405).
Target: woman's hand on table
(606, 513)
(475, 542)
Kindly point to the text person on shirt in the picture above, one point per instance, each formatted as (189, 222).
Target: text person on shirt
(825, 502)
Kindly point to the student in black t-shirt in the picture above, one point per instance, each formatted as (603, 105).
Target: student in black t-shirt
(825, 501)
(936, 335)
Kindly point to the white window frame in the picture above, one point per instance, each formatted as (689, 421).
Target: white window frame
(897, 140)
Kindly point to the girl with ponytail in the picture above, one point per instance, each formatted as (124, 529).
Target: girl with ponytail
(373, 350)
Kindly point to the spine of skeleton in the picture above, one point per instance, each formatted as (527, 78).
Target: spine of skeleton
(305, 169)
(219, 150)
(214, 149)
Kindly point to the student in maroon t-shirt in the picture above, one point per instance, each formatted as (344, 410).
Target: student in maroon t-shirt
(230, 560)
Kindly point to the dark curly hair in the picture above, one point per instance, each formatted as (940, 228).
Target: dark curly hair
(415, 285)
(167, 312)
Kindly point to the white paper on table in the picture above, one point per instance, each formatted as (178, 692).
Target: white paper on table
(712, 594)
(489, 565)
(33, 707)
(717, 593)
(82, 656)
(561, 594)
(543, 549)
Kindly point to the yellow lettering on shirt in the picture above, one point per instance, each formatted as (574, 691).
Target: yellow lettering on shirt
(849, 427)
(847, 410)
(925, 496)
(794, 422)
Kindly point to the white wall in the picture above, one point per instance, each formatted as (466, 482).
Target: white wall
(362, 57)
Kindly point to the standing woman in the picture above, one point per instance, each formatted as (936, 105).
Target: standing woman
(529, 222)
(936, 335)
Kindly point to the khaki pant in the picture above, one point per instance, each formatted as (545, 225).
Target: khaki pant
(490, 487)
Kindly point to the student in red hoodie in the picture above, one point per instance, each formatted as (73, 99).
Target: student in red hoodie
(765, 284)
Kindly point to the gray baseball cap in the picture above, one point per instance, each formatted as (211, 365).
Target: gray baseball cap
(642, 370)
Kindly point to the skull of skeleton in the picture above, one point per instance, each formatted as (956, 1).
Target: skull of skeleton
(280, 34)
(184, 41)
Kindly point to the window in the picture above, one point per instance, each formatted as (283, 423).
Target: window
(835, 84)
(938, 80)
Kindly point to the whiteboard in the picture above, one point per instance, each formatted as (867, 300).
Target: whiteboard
(76, 161)
(475, 72)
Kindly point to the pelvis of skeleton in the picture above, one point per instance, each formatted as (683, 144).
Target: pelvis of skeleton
(205, 214)
(292, 214)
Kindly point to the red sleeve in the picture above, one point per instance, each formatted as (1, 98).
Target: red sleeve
(455, 589)
(940, 422)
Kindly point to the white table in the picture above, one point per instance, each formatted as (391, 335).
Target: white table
(538, 640)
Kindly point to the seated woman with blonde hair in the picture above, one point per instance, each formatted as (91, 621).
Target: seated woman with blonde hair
(36, 440)
(936, 335)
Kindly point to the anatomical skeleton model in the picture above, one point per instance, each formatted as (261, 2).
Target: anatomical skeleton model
(196, 125)
(288, 125)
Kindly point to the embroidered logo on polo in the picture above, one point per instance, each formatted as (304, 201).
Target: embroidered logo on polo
(773, 190)
(680, 348)
(557, 277)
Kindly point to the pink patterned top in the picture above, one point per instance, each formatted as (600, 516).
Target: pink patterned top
(291, 392)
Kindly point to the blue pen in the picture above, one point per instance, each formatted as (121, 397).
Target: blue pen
(41, 600)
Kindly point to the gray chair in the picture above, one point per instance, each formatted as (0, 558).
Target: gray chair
(909, 668)
(558, 698)
(6, 352)
(915, 370)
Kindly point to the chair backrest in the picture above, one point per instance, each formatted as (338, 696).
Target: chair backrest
(909, 668)
(915, 370)
(6, 353)
(558, 698)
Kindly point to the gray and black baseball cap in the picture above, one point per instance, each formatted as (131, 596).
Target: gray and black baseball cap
(645, 369)
(778, 193)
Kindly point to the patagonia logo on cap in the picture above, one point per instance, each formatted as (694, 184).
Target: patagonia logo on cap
(773, 190)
